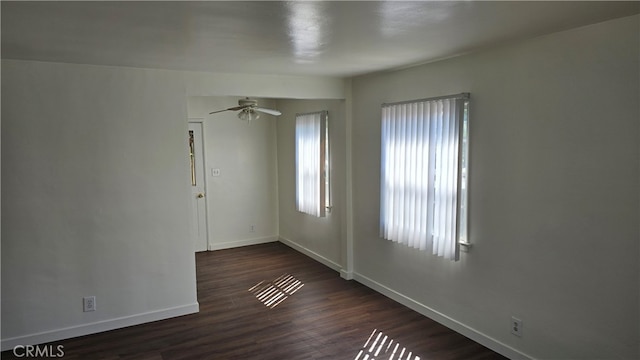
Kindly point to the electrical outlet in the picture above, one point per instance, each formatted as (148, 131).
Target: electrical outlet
(252, 228)
(89, 303)
(516, 326)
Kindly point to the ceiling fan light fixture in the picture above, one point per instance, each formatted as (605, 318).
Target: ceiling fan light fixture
(248, 114)
(248, 110)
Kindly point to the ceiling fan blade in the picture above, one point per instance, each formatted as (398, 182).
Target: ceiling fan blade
(219, 111)
(230, 109)
(268, 111)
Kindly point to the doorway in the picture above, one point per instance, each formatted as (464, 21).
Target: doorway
(199, 233)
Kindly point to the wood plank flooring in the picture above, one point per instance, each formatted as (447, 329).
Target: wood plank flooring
(325, 318)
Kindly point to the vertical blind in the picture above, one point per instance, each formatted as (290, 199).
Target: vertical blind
(420, 179)
(310, 163)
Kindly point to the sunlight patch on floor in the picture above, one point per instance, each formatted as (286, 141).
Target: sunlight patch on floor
(271, 294)
(380, 347)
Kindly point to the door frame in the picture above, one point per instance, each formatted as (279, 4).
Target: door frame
(207, 210)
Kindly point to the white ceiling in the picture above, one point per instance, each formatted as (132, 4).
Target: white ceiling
(331, 38)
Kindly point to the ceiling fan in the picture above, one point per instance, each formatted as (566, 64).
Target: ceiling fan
(249, 110)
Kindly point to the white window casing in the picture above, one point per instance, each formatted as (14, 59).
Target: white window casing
(312, 163)
(424, 169)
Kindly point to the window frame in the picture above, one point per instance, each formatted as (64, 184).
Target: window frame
(323, 172)
(411, 190)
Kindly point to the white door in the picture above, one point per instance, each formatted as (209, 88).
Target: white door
(198, 199)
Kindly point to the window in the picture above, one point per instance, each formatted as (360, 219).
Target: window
(424, 170)
(312, 163)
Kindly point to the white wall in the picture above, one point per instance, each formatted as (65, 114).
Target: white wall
(268, 86)
(554, 190)
(321, 238)
(245, 193)
(95, 191)
(94, 186)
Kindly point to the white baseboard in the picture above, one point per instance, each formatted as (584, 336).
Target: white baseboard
(312, 254)
(96, 327)
(452, 324)
(347, 275)
(243, 242)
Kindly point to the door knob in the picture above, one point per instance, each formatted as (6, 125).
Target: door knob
(200, 195)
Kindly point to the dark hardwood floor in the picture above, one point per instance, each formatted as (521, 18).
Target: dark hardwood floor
(322, 317)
